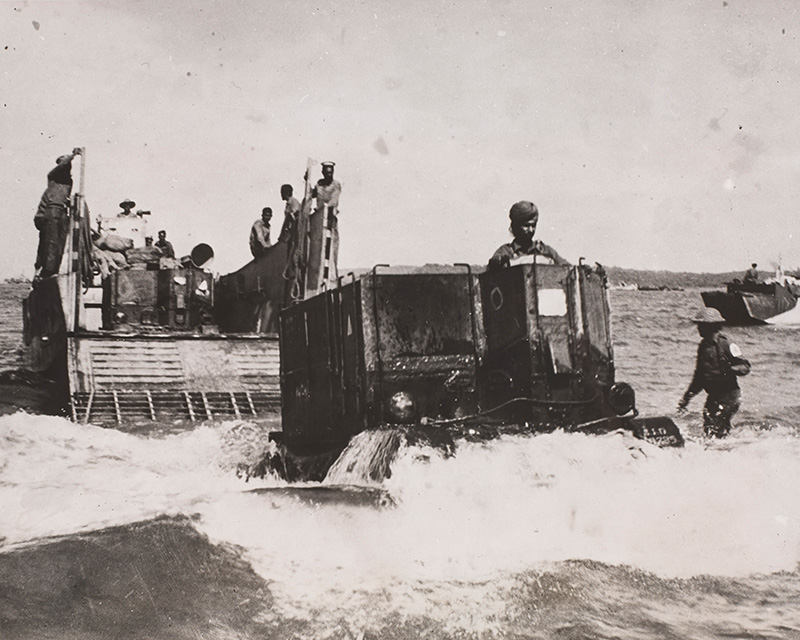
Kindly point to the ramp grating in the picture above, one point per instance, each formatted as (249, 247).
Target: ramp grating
(108, 407)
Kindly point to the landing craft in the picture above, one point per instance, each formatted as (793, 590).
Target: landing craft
(437, 352)
(141, 342)
(753, 303)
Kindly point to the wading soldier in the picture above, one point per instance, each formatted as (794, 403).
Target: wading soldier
(719, 364)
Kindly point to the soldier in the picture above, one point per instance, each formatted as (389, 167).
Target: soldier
(52, 216)
(290, 212)
(327, 190)
(165, 245)
(751, 275)
(259, 233)
(719, 363)
(126, 205)
(524, 216)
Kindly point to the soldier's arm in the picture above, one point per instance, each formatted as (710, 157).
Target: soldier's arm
(548, 252)
(501, 258)
(695, 387)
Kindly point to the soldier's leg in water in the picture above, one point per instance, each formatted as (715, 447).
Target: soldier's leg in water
(710, 410)
(718, 411)
(729, 405)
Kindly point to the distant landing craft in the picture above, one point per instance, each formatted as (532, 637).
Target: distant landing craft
(749, 303)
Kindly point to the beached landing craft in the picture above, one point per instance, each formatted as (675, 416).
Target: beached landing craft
(438, 351)
(143, 344)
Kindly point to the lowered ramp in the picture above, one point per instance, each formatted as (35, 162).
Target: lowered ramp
(117, 379)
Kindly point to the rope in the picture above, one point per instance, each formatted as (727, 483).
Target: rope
(533, 401)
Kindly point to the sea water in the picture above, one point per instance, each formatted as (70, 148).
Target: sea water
(107, 533)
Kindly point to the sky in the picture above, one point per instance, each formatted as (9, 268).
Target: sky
(651, 135)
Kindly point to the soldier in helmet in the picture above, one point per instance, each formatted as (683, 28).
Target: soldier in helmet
(719, 363)
(524, 216)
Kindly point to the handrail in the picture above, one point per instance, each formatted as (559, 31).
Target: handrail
(473, 321)
(376, 321)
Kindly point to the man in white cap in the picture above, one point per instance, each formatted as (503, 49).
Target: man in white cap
(327, 190)
(719, 363)
(524, 217)
(52, 217)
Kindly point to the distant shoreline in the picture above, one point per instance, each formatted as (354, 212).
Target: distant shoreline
(619, 276)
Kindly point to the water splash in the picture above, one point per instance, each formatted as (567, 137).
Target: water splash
(460, 529)
(367, 458)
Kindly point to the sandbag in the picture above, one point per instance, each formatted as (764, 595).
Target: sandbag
(118, 259)
(143, 255)
(112, 242)
(169, 263)
(108, 261)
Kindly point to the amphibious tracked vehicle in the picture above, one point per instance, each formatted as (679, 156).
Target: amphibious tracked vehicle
(525, 348)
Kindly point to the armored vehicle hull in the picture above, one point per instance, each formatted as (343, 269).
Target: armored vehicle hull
(527, 348)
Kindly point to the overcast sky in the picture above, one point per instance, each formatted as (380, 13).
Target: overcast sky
(656, 135)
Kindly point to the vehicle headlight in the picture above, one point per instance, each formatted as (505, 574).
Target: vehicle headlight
(402, 407)
(621, 397)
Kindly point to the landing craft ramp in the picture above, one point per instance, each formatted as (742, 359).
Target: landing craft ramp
(192, 377)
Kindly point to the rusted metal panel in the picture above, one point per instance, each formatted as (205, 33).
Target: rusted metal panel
(505, 308)
(418, 320)
(352, 350)
(174, 299)
(541, 321)
(381, 334)
(596, 320)
(250, 299)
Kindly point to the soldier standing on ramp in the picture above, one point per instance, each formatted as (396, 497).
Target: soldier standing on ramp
(52, 216)
(324, 231)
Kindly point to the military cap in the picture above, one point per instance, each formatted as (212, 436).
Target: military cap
(127, 203)
(328, 163)
(708, 315)
(523, 211)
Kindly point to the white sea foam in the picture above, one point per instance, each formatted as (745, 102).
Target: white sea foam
(462, 528)
(791, 317)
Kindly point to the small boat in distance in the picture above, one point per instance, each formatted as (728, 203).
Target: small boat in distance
(748, 303)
